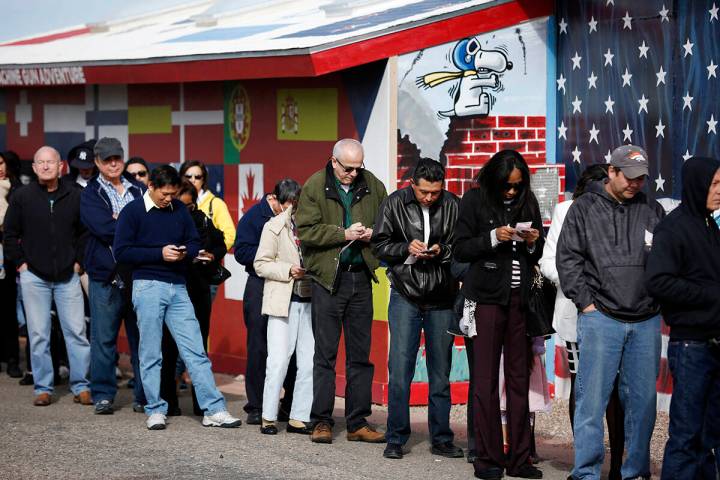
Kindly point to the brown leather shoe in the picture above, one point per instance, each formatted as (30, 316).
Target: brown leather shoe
(84, 398)
(42, 400)
(322, 433)
(366, 434)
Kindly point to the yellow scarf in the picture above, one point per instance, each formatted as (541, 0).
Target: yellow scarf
(436, 78)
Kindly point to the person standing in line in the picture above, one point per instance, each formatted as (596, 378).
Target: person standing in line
(137, 167)
(156, 235)
(335, 222)
(683, 274)
(214, 207)
(9, 346)
(249, 231)
(413, 235)
(286, 302)
(110, 283)
(499, 233)
(601, 255)
(45, 239)
(565, 322)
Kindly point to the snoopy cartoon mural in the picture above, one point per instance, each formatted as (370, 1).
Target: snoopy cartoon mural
(479, 70)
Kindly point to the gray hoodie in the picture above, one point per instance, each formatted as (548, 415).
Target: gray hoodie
(602, 250)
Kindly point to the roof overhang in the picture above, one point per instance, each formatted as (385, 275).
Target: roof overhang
(307, 61)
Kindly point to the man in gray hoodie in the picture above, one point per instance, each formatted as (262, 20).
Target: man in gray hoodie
(601, 256)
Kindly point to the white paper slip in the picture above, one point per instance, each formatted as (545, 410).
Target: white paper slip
(648, 238)
(521, 227)
(410, 260)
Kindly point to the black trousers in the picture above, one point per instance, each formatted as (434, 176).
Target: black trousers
(9, 343)
(470, 407)
(350, 310)
(256, 325)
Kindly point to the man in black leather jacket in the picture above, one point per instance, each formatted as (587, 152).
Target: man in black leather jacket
(413, 237)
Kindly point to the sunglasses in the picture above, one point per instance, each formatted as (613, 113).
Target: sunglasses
(193, 177)
(510, 186)
(350, 169)
(139, 174)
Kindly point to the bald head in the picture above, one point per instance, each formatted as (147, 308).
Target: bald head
(347, 160)
(46, 152)
(46, 165)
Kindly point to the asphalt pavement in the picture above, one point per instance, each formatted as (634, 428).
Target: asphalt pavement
(66, 440)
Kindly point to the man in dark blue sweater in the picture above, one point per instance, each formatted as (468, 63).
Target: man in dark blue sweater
(157, 236)
(247, 240)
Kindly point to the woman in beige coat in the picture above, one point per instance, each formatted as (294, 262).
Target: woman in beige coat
(286, 302)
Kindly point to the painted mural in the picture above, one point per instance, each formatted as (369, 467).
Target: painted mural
(461, 102)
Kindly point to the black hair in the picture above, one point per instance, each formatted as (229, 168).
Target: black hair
(187, 188)
(12, 164)
(139, 160)
(492, 179)
(287, 190)
(164, 176)
(195, 163)
(597, 171)
(428, 169)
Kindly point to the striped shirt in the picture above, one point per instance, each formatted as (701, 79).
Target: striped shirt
(117, 201)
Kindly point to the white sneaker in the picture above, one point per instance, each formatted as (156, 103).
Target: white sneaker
(221, 419)
(156, 421)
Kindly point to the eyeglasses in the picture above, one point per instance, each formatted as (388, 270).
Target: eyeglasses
(139, 174)
(193, 177)
(350, 169)
(510, 186)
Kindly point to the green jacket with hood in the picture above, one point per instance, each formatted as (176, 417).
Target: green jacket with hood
(319, 221)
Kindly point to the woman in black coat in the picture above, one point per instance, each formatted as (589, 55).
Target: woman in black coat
(499, 232)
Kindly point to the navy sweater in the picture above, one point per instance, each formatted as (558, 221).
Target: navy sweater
(248, 234)
(140, 237)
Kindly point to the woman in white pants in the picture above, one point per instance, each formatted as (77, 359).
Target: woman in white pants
(286, 301)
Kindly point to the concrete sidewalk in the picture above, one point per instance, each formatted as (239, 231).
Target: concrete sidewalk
(66, 440)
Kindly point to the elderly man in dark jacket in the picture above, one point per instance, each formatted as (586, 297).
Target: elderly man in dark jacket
(601, 257)
(683, 274)
(413, 235)
(44, 238)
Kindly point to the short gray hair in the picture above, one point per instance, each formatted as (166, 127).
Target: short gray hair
(345, 144)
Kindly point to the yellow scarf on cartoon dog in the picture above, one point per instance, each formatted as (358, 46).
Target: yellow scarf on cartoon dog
(436, 78)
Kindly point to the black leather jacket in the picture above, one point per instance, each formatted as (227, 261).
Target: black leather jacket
(427, 283)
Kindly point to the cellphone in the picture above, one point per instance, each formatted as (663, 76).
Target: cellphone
(181, 248)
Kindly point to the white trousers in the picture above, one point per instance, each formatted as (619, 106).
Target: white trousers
(287, 335)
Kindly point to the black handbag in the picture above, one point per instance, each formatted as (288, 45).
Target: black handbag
(541, 304)
(219, 275)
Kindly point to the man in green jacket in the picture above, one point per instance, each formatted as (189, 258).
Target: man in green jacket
(335, 218)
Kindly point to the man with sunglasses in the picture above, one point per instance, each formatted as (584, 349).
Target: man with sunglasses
(335, 220)
(109, 284)
(601, 254)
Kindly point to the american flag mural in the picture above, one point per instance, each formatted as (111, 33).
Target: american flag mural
(641, 73)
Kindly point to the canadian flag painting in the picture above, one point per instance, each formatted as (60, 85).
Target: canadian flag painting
(250, 186)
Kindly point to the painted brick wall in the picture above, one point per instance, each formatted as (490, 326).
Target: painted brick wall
(472, 141)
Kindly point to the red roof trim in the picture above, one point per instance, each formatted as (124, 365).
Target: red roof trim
(48, 38)
(326, 61)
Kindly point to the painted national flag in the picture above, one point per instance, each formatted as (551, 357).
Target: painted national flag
(3, 121)
(150, 130)
(64, 126)
(24, 127)
(201, 119)
(250, 186)
(106, 113)
(307, 114)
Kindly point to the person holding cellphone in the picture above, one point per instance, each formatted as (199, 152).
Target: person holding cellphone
(286, 302)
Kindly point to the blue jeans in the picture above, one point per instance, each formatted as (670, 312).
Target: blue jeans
(406, 321)
(157, 302)
(695, 406)
(38, 295)
(107, 309)
(609, 348)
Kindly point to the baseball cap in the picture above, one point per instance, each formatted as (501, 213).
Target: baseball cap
(82, 156)
(109, 147)
(631, 159)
